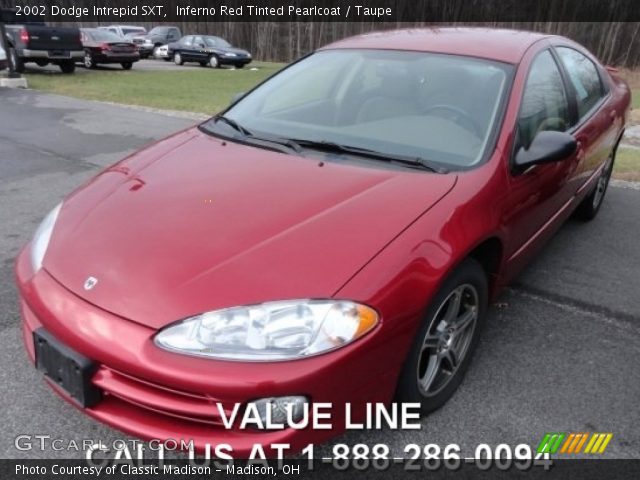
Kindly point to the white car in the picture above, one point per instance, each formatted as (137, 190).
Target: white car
(3, 58)
(162, 52)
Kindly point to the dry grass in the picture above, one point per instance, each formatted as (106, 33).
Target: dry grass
(627, 166)
(632, 77)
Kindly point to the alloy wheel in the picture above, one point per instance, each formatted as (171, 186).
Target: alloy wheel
(447, 340)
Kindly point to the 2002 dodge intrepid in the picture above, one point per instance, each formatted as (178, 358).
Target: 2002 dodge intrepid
(335, 235)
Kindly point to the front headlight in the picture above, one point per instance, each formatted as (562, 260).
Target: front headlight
(284, 330)
(41, 238)
(231, 54)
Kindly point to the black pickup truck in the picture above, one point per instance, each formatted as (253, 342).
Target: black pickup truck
(33, 41)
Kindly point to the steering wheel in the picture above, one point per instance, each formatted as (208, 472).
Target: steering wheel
(460, 117)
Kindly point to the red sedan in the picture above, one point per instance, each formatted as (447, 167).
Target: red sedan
(335, 235)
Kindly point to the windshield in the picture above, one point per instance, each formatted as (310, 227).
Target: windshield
(158, 30)
(432, 106)
(216, 42)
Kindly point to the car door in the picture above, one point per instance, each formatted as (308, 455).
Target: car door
(540, 195)
(199, 49)
(185, 46)
(596, 130)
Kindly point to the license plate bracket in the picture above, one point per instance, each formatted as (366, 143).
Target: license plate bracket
(68, 369)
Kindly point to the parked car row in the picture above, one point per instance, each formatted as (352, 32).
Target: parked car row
(168, 43)
(33, 41)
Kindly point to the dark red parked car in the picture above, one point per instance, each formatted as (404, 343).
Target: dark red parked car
(105, 47)
(335, 235)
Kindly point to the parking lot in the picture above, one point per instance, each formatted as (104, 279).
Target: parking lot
(146, 65)
(560, 352)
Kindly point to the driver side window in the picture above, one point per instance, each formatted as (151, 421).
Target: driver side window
(544, 103)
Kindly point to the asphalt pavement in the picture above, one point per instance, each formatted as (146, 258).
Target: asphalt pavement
(560, 352)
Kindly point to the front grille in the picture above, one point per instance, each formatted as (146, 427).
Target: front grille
(158, 399)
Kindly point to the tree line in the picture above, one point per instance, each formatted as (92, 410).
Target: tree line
(614, 43)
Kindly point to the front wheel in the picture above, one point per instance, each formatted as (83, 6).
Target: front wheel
(213, 61)
(177, 59)
(127, 65)
(446, 340)
(590, 206)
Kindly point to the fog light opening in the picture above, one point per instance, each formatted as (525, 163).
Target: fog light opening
(281, 412)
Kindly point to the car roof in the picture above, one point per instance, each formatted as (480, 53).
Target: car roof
(502, 45)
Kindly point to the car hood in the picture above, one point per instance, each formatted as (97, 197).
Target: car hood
(193, 224)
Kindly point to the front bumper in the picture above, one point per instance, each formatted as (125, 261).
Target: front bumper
(154, 394)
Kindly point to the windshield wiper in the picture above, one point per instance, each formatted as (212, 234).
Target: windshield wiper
(233, 124)
(249, 135)
(365, 152)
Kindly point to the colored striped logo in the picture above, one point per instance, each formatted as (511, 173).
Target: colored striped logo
(556, 442)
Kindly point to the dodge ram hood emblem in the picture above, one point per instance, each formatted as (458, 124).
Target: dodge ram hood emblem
(90, 282)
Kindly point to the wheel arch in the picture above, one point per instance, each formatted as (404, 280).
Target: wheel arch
(489, 254)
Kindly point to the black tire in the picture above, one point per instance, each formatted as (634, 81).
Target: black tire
(177, 59)
(127, 65)
(67, 66)
(42, 63)
(88, 60)
(167, 59)
(469, 281)
(240, 65)
(16, 61)
(203, 64)
(590, 205)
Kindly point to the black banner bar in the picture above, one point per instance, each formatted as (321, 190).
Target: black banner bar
(372, 11)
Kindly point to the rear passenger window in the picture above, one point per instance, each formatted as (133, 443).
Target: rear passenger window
(584, 78)
(544, 103)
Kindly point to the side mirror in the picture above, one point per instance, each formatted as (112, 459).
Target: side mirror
(547, 147)
(237, 97)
